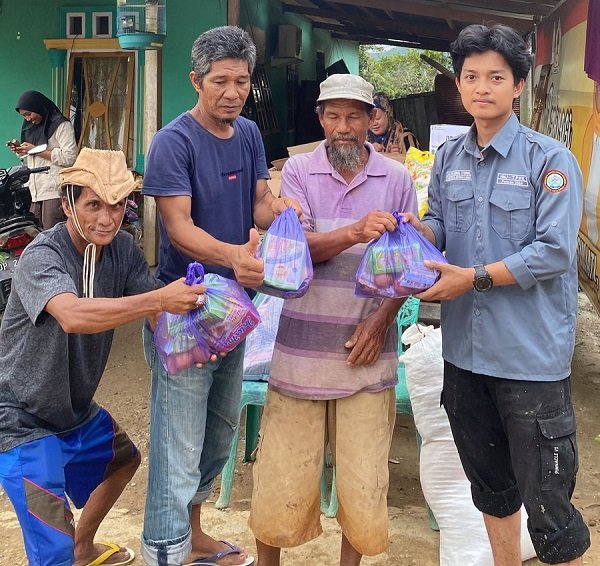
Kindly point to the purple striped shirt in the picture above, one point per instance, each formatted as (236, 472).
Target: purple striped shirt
(309, 360)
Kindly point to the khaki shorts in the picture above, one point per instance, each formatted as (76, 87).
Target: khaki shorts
(286, 496)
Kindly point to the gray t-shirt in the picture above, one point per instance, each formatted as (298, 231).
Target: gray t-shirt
(48, 378)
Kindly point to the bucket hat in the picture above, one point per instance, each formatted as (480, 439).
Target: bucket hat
(346, 86)
(103, 171)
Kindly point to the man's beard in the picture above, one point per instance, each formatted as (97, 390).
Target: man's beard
(345, 157)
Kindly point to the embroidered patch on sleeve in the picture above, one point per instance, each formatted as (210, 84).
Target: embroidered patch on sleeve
(555, 181)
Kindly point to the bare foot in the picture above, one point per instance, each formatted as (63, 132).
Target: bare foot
(121, 556)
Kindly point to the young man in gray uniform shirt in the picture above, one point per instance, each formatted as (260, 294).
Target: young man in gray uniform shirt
(505, 204)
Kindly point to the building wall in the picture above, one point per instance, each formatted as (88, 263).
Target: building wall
(571, 114)
(267, 15)
(185, 22)
(25, 61)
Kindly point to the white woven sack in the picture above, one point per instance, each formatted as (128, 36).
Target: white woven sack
(463, 537)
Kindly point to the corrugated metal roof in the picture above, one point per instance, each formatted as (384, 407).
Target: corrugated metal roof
(424, 24)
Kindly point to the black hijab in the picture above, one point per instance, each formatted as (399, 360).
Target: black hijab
(35, 101)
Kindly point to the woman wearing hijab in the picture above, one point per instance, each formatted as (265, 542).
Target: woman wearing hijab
(385, 132)
(44, 123)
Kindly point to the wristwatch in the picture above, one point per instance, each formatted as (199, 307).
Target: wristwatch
(482, 281)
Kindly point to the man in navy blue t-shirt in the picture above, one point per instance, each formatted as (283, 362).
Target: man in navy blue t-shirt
(208, 174)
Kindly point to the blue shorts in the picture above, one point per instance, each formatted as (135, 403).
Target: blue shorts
(37, 476)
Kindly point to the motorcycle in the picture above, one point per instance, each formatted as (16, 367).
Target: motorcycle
(18, 226)
(131, 221)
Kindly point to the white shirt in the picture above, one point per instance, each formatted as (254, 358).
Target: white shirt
(45, 186)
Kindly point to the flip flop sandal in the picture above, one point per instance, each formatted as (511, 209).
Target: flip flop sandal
(212, 560)
(112, 549)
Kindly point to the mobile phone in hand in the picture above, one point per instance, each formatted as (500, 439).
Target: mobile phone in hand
(13, 144)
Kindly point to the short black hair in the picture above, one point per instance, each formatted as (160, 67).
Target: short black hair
(75, 188)
(504, 40)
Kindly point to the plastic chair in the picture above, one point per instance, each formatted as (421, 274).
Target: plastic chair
(254, 395)
(408, 314)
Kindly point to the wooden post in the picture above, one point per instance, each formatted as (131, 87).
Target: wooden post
(152, 118)
(233, 12)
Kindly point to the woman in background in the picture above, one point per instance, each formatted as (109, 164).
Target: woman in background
(44, 123)
(385, 132)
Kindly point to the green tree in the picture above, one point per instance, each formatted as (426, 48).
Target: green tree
(400, 74)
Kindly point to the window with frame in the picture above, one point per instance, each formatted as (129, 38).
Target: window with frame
(100, 100)
(75, 24)
(101, 24)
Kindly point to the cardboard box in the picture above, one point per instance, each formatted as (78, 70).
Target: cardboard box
(303, 148)
(275, 182)
(395, 156)
(279, 163)
(439, 133)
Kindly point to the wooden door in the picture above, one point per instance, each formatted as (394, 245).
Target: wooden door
(100, 96)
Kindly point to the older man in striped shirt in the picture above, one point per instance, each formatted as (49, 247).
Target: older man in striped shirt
(334, 366)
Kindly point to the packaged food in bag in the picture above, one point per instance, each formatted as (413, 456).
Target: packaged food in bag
(227, 316)
(392, 266)
(178, 344)
(284, 250)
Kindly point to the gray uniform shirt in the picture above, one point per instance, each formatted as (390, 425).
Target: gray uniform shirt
(519, 201)
(48, 378)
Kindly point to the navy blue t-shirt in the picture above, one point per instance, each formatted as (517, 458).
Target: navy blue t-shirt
(219, 175)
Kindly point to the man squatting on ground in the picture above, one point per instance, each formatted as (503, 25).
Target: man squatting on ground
(505, 204)
(73, 285)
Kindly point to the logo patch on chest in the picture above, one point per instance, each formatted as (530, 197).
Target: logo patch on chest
(231, 175)
(512, 179)
(458, 175)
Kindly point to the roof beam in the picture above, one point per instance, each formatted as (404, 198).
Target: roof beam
(364, 39)
(432, 31)
(364, 35)
(526, 8)
(436, 9)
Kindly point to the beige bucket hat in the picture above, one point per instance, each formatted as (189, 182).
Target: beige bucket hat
(103, 171)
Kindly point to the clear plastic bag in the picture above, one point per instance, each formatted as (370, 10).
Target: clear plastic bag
(227, 316)
(260, 344)
(392, 266)
(288, 266)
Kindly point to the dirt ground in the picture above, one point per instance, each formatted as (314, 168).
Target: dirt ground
(125, 390)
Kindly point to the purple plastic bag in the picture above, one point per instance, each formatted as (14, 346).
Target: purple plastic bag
(178, 343)
(288, 266)
(227, 316)
(392, 266)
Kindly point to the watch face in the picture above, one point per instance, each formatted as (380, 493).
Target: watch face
(483, 284)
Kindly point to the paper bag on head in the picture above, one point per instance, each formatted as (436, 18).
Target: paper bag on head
(103, 171)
